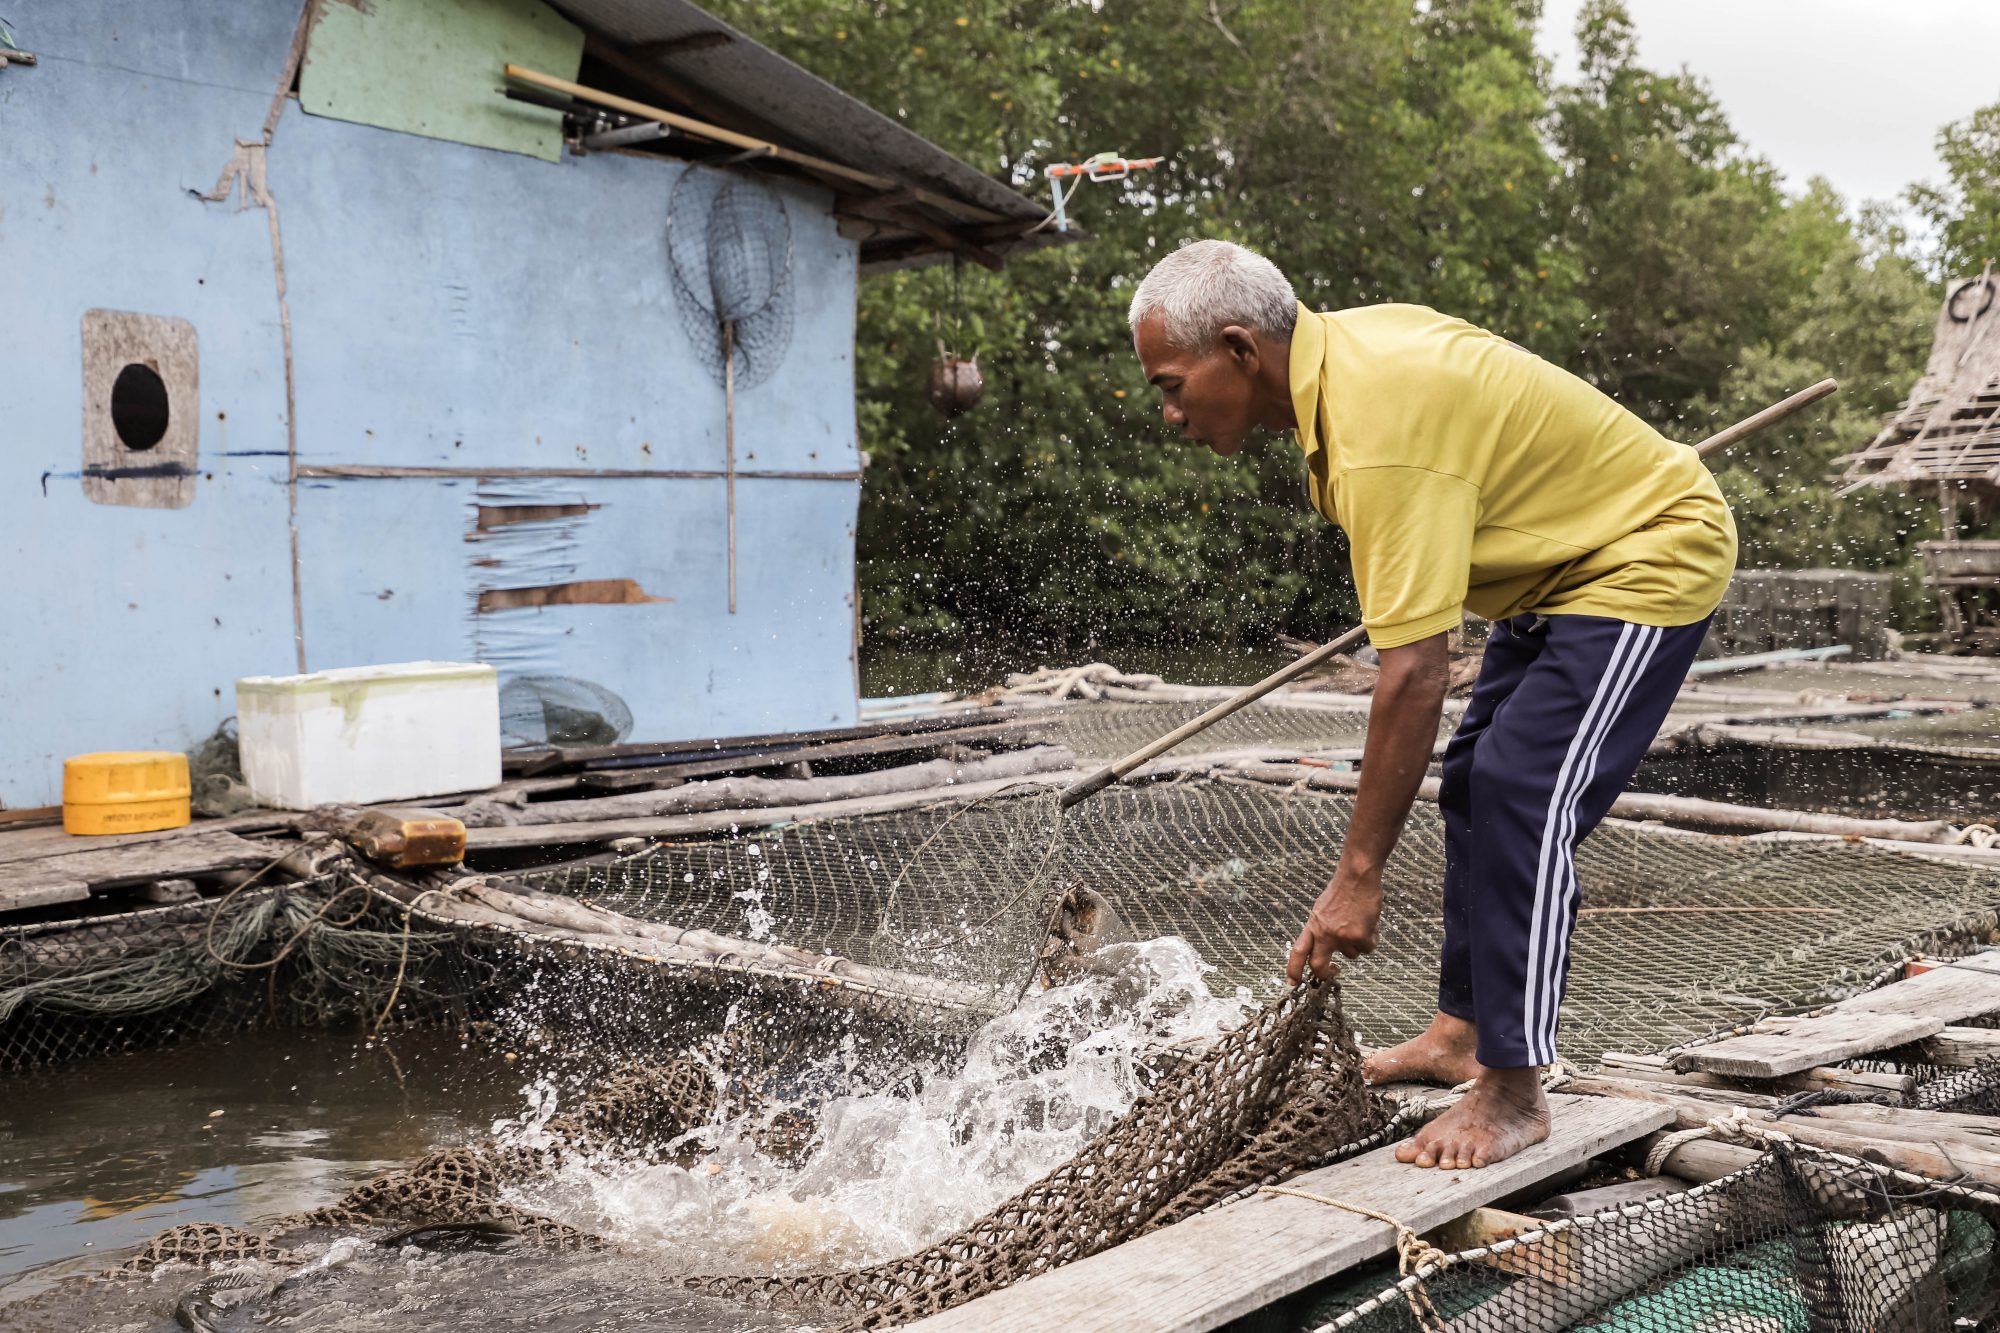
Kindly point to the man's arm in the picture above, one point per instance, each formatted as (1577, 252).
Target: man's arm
(1402, 729)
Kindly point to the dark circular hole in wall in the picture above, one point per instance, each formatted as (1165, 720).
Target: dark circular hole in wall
(139, 406)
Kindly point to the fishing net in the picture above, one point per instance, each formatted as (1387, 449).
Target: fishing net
(215, 775)
(312, 952)
(1729, 927)
(730, 242)
(1100, 732)
(1800, 1241)
(699, 982)
(1278, 1095)
(561, 710)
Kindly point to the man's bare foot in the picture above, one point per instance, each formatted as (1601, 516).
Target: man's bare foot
(1503, 1113)
(1442, 1054)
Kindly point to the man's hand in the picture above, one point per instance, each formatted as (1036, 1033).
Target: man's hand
(1402, 727)
(1344, 921)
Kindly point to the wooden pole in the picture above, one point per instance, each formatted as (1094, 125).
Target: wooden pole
(729, 444)
(699, 127)
(1109, 774)
(1771, 415)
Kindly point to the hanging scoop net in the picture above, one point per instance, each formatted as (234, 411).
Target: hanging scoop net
(730, 243)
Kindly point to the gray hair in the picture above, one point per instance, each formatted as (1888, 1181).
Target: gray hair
(1201, 288)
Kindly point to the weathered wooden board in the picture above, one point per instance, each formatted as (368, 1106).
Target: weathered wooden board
(1659, 1069)
(28, 883)
(1208, 1270)
(722, 821)
(1791, 1045)
(32, 844)
(1018, 733)
(434, 70)
(1901, 1012)
(1962, 1046)
(1939, 1144)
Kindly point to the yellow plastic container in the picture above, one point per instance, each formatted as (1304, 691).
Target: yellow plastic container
(125, 791)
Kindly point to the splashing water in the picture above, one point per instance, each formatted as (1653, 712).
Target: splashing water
(888, 1172)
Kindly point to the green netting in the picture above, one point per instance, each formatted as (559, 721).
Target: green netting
(1802, 1241)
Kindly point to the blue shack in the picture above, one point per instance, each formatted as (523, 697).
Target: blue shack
(358, 331)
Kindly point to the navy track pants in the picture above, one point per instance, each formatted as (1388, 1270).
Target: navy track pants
(1562, 713)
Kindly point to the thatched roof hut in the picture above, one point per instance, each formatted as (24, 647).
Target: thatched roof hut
(1948, 429)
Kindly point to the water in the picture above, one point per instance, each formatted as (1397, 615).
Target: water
(99, 1155)
(111, 1153)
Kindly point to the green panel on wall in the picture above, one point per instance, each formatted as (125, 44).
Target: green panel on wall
(432, 67)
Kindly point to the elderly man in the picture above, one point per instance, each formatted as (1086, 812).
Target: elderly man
(1468, 474)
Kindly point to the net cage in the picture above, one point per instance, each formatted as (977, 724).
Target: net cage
(1679, 934)
(313, 952)
(1799, 1241)
(745, 975)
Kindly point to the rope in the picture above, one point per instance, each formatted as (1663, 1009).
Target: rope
(1734, 1126)
(1668, 1144)
(402, 963)
(1413, 1252)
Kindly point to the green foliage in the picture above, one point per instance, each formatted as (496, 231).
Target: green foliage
(1377, 150)
(1965, 210)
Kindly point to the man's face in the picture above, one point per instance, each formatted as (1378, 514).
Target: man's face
(1209, 397)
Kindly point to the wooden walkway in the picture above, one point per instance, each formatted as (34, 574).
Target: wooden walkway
(1210, 1269)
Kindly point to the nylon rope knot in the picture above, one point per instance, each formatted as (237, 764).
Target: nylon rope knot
(1413, 1252)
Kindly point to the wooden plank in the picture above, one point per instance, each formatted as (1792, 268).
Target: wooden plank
(25, 883)
(1937, 1144)
(1902, 1012)
(46, 894)
(725, 821)
(1024, 731)
(1549, 1258)
(1204, 1272)
(28, 844)
(429, 69)
(1961, 1046)
(1955, 989)
(1659, 1069)
(528, 763)
(1788, 1046)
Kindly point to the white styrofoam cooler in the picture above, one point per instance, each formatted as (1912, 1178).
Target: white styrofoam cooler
(363, 734)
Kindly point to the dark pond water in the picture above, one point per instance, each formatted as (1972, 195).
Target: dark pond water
(99, 1155)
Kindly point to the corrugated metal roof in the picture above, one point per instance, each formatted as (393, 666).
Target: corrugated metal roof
(685, 45)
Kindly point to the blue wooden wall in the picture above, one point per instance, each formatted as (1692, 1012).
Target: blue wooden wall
(452, 308)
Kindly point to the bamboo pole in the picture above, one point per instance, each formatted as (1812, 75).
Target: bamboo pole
(493, 902)
(1110, 773)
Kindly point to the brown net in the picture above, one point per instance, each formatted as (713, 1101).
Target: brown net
(1278, 1095)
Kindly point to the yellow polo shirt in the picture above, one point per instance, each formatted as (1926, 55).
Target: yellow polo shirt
(1471, 474)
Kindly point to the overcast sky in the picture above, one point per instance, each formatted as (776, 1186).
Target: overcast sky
(1853, 90)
